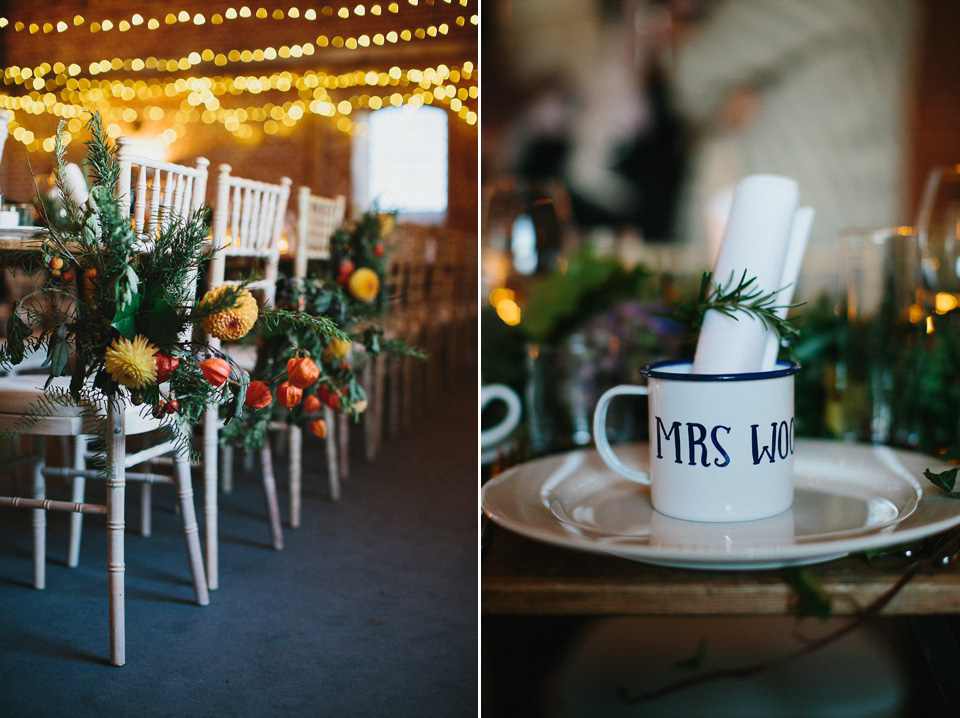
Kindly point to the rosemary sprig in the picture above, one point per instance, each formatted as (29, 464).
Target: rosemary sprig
(734, 298)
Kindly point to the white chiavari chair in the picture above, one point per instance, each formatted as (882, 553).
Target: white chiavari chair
(247, 223)
(405, 321)
(4, 130)
(163, 190)
(317, 219)
(152, 191)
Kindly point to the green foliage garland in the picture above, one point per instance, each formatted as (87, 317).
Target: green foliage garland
(136, 288)
(325, 296)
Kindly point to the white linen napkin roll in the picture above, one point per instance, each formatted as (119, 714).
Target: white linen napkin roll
(802, 221)
(76, 183)
(755, 242)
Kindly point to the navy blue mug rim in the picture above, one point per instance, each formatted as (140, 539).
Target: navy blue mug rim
(654, 371)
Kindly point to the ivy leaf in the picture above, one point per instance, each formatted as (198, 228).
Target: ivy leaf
(945, 480)
(124, 321)
(813, 600)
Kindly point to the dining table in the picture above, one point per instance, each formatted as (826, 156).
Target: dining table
(547, 556)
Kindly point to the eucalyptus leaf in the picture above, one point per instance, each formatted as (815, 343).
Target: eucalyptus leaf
(58, 353)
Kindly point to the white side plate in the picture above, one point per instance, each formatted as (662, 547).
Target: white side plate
(847, 498)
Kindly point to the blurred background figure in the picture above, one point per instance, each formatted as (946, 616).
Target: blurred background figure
(592, 109)
(813, 90)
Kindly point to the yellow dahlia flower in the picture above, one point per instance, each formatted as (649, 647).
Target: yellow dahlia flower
(337, 349)
(132, 363)
(364, 284)
(231, 324)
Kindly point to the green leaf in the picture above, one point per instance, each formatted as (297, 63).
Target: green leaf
(945, 480)
(813, 600)
(17, 333)
(58, 353)
(161, 323)
(322, 302)
(77, 379)
(150, 394)
(124, 321)
(241, 397)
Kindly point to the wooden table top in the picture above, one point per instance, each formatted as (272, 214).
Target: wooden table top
(19, 238)
(520, 576)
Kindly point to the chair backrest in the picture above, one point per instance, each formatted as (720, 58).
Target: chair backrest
(157, 191)
(317, 220)
(4, 130)
(248, 222)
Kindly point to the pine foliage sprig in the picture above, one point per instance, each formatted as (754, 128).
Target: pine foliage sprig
(274, 320)
(736, 298)
(74, 211)
(102, 154)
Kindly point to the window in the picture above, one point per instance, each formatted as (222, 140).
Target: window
(402, 164)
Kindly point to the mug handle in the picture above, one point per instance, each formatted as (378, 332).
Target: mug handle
(501, 431)
(600, 431)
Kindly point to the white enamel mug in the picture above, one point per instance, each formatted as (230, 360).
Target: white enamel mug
(721, 445)
(489, 438)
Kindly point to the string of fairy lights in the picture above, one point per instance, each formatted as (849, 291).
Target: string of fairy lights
(451, 87)
(61, 90)
(138, 21)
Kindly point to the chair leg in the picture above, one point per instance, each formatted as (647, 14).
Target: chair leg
(270, 494)
(146, 508)
(343, 444)
(396, 394)
(39, 516)
(406, 401)
(210, 425)
(226, 469)
(295, 467)
(79, 491)
(116, 485)
(373, 419)
(333, 466)
(191, 532)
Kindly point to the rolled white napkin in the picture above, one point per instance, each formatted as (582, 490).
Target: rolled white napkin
(796, 246)
(76, 183)
(755, 242)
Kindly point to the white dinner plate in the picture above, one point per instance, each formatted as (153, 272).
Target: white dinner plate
(847, 498)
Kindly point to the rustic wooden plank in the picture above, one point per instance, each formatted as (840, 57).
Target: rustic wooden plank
(519, 576)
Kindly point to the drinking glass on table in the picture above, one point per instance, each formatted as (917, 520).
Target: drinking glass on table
(938, 235)
(881, 337)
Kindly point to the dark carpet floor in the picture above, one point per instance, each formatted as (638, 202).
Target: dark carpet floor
(370, 610)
